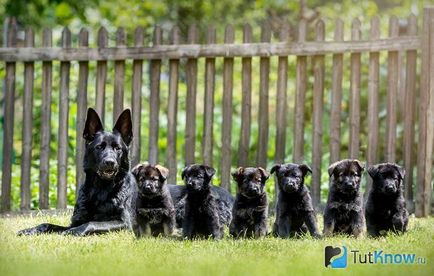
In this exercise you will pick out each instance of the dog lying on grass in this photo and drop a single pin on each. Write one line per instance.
(249, 214)
(155, 213)
(385, 208)
(105, 200)
(295, 214)
(344, 210)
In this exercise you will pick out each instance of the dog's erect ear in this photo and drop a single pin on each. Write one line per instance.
(124, 126)
(304, 169)
(264, 173)
(164, 172)
(92, 126)
(359, 164)
(236, 175)
(210, 172)
(373, 170)
(275, 168)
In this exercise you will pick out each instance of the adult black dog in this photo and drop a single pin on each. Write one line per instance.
(344, 210)
(105, 200)
(249, 214)
(295, 214)
(385, 208)
(225, 202)
(201, 217)
(155, 213)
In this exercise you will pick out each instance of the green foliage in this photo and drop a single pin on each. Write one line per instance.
(121, 254)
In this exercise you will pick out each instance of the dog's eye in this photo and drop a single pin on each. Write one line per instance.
(100, 146)
(116, 147)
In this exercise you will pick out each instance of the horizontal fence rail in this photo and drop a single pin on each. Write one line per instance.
(212, 50)
(318, 91)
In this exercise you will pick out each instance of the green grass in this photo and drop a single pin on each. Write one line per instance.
(121, 254)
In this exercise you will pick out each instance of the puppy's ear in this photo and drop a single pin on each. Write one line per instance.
(305, 169)
(373, 170)
(275, 168)
(359, 164)
(137, 169)
(164, 172)
(264, 173)
(210, 172)
(124, 126)
(92, 126)
(184, 172)
(332, 167)
(400, 170)
(237, 175)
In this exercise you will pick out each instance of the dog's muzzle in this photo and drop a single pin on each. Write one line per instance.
(109, 169)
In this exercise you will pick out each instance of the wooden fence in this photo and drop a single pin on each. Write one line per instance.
(417, 118)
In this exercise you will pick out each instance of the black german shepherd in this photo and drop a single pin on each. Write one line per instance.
(106, 199)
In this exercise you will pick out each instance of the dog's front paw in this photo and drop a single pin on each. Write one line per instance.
(27, 232)
(42, 228)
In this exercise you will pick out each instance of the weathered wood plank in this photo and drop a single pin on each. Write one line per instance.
(228, 78)
(190, 124)
(392, 93)
(209, 101)
(101, 74)
(154, 100)
(196, 51)
(336, 101)
(62, 149)
(26, 157)
(44, 168)
(136, 104)
(426, 117)
(355, 94)
(409, 115)
(172, 109)
(246, 102)
(118, 95)
(318, 106)
(8, 119)
(264, 76)
(281, 101)
(83, 76)
(373, 92)
(301, 85)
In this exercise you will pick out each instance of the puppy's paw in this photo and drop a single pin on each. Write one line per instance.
(317, 236)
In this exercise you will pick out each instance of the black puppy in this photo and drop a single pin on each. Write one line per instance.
(385, 208)
(225, 202)
(105, 200)
(154, 207)
(344, 210)
(201, 217)
(249, 215)
(294, 211)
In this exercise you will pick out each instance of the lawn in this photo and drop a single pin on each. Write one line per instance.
(121, 254)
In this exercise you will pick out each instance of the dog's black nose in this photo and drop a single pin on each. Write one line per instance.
(109, 163)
